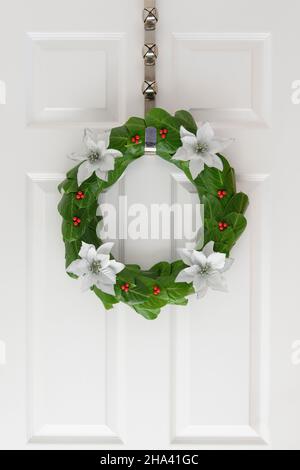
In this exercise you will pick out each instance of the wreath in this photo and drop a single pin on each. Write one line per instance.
(196, 151)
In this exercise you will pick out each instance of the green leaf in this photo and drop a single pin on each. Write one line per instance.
(90, 235)
(182, 302)
(133, 267)
(229, 179)
(212, 207)
(146, 284)
(72, 250)
(161, 269)
(134, 297)
(186, 120)
(128, 275)
(68, 186)
(136, 126)
(72, 174)
(67, 206)
(212, 180)
(148, 313)
(176, 267)
(108, 300)
(69, 209)
(155, 302)
(238, 203)
(120, 166)
(135, 151)
(179, 291)
(237, 223)
(119, 138)
(71, 233)
(60, 187)
(224, 241)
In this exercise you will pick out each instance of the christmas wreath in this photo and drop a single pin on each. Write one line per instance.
(196, 151)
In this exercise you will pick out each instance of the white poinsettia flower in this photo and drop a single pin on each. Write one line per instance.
(205, 269)
(98, 158)
(95, 268)
(201, 149)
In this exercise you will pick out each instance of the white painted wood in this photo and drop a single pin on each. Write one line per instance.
(183, 327)
(2, 353)
(240, 99)
(2, 92)
(44, 340)
(96, 97)
(222, 373)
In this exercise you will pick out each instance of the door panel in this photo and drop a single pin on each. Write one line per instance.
(64, 66)
(218, 372)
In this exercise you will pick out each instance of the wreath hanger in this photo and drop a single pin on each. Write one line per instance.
(150, 54)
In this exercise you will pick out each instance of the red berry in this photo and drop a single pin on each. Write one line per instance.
(76, 221)
(223, 226)
(163, 136)
(135, 139)
(165, 131)
(161, 131)
(127, 285)
(222, 194)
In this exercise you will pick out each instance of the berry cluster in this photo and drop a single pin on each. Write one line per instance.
(156, 290)
(76, 221)
(136, 139)
(223, 226)
(80, 195)
(163, 133)
(222, 193)
(125, 287)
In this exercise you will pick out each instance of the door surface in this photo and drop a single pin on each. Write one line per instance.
(220, 373)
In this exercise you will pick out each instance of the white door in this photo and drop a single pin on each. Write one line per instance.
(221, 373)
